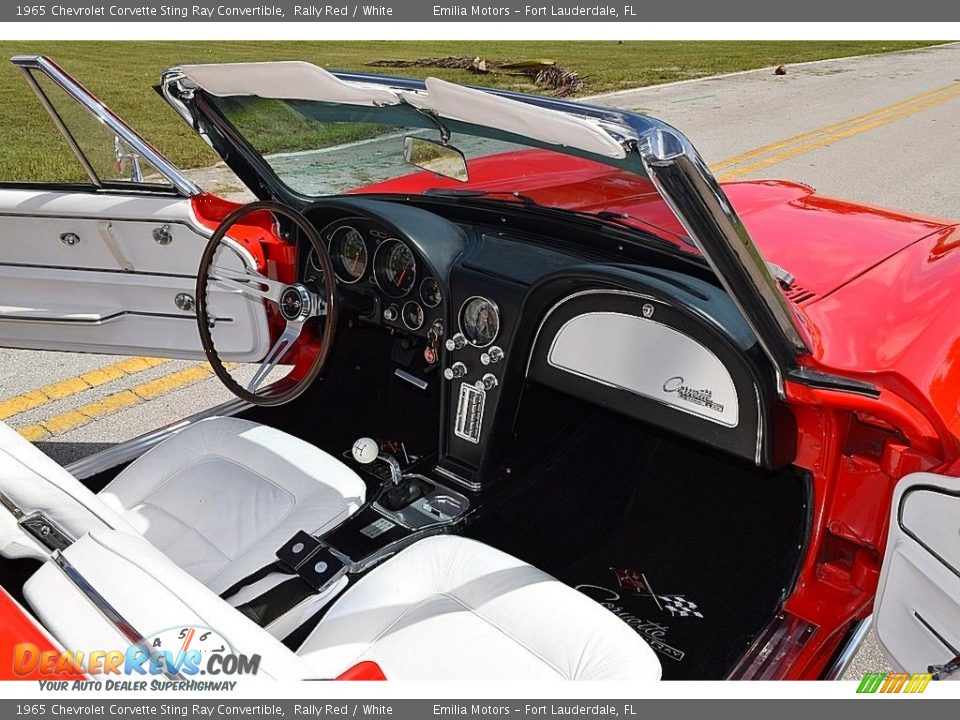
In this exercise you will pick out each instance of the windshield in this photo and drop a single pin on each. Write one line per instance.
(319, 148)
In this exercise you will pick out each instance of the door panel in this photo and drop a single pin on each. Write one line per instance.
(113, 288)
(917, 612)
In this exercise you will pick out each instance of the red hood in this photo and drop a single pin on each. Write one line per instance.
(823, 242)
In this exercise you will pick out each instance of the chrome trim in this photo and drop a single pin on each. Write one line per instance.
(496, 312)
(849, 649)
(417, 511)
(109, 613)
(102, 113)
(132, 449)
(418, 383)
(452, 476)
(680, 175)
(62, 128)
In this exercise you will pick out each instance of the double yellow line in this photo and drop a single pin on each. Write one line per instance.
(730, 169)
(775, 153)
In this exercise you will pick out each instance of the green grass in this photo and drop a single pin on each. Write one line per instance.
(122, 75)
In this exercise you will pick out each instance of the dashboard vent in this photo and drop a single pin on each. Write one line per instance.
(799, 295)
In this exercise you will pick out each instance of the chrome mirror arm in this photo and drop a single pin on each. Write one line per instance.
(696, 198)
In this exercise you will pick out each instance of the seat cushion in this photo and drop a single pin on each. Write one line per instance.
(223, 495)
(152, 595)
(449, 608)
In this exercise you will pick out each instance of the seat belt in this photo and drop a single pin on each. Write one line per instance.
(38, 526)
(314, 567)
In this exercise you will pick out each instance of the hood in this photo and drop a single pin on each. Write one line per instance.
(823, 242)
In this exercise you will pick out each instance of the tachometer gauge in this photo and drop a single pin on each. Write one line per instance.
(479, 321)
(430, 292)
(395, 268)
(412, 315)
(348, 250)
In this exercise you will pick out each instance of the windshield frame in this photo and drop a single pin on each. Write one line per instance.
(654, 150)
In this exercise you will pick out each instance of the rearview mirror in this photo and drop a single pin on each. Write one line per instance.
(443, 160)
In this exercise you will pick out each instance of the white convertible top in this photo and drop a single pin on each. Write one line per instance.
(296, 80)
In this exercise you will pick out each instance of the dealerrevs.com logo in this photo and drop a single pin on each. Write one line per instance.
(173, 659)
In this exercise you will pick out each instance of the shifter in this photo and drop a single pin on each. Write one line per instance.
(366, 450)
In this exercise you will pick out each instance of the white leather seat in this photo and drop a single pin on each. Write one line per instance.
(445, 608)
(219, 498)
(449, 608)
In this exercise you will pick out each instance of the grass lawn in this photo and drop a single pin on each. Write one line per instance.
(122, 74)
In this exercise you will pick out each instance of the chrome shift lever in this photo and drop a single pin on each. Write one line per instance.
(366, 450)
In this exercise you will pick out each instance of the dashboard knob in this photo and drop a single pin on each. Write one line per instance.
(492, 356)
(457, 342)
(487, 382)
(391, 313)
(457, 370)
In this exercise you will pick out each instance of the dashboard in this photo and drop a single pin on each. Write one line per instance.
(493, 310)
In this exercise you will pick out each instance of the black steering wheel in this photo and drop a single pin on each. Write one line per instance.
(302, 320)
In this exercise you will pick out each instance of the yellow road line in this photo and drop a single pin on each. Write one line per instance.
(800, 144)
(85, 414)
(72, 386)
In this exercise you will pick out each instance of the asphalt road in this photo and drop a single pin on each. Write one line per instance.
(879, 129)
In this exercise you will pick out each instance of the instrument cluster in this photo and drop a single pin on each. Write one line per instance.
(371, 261)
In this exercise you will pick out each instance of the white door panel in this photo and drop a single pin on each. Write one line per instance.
(917, 612)
(113, 312)
(114, 290)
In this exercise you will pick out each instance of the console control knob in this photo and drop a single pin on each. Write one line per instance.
(487, 382)
(492, 356)
(457, 342)
(391, 313)
(457, 370)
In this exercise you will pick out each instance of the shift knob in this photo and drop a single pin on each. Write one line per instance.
(365, 450)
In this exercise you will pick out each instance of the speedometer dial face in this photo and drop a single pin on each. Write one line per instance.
(479, 321)
(349, 253)
(395, 268)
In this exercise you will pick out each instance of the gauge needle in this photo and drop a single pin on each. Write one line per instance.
(353, 267)
(403, 274)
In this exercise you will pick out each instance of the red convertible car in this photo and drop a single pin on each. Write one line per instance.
(522, 393)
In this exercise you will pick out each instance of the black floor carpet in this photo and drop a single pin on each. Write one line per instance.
(691, 548)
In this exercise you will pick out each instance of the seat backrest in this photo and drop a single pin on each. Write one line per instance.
(154, 596)
(35, 483)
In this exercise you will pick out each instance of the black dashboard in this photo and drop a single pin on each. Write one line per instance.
(494, 309)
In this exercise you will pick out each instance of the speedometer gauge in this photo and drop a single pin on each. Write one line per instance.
(348, 251)
(395, 268)
(479, 321)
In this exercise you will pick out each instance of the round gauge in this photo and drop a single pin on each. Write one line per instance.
(430, 292)
(412, 315)
(479, 321)
(348, 251)
(395, 268)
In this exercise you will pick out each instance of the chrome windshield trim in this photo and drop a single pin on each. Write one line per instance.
(690, 190)
(102, 113)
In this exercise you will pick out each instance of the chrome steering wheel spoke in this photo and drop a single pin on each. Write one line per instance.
(249, 283)
(286, 340)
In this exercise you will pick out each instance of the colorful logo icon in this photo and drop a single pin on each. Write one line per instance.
(895, 683)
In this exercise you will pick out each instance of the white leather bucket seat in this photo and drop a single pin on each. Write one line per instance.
(446, 608)
(219, 498)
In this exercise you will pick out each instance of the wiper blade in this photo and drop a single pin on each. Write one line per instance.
(471, 193)
(626, 219)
